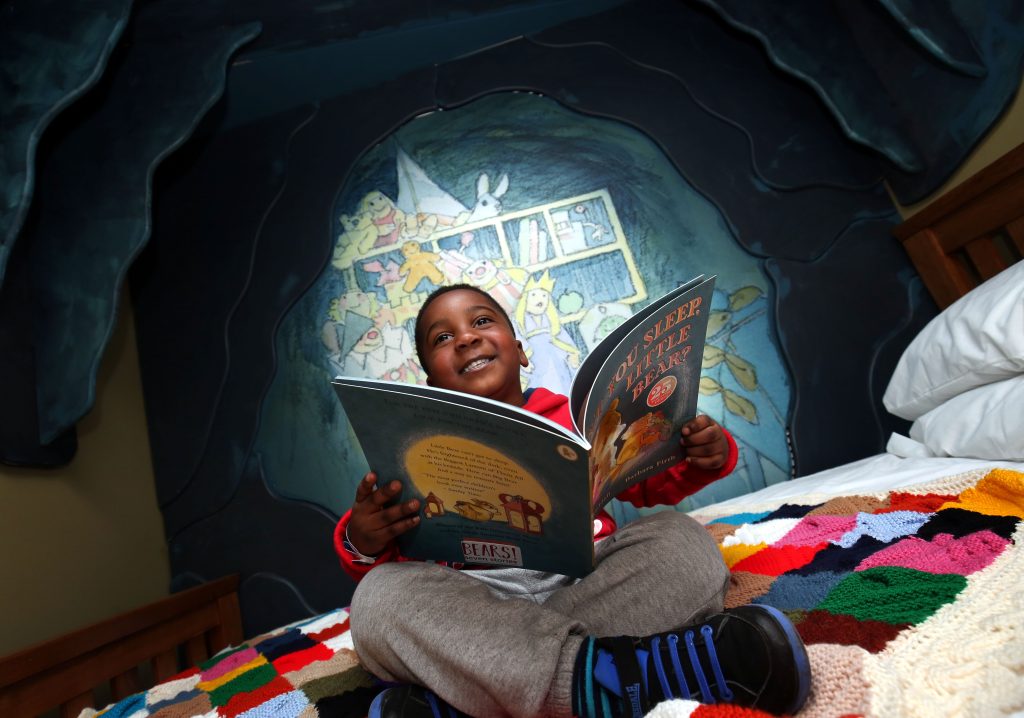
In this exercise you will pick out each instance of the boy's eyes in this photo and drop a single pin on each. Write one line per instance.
(441, 337)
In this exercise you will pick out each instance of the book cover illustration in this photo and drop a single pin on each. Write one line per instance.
(644, 388)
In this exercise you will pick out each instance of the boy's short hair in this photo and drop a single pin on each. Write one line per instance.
(442, 291)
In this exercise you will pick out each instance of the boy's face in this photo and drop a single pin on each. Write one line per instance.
(468, 347)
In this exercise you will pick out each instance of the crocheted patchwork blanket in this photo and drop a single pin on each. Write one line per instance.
(909, 602)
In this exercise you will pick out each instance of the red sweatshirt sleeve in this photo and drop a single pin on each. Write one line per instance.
(677, 482)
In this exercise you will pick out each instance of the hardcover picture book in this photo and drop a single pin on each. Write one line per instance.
(501, 486)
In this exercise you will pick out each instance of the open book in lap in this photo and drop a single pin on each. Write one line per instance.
(502, 486)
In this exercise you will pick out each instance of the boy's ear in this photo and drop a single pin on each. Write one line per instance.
(523, 359)
(430, 382)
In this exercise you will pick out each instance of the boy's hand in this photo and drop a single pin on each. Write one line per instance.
(371, 526)
(704, 443)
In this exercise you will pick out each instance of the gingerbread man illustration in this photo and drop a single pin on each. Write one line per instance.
(419, 265)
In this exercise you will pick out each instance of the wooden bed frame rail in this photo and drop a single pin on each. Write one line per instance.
(169, 635)
(972, 232)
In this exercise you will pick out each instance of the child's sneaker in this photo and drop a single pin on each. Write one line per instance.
(751, 656)
(409, 701)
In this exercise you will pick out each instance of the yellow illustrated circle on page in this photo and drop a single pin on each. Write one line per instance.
(468, 477)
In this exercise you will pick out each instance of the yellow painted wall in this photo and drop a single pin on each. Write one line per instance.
(84, 542)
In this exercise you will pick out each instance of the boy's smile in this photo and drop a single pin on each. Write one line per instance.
(469, 347)
(476, 364)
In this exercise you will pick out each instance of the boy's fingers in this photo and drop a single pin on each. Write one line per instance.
(368, 511)
(365, 487)
(704, 444)
(709, 449)
(387, 492)
(396, 514)
(707, 435)
(376, 518)
(715, 461)
(400, 527)
(697, 424)
(374, 524)
(392, 522)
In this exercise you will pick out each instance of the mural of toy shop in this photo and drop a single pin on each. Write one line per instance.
(299, 201)
(541, 229)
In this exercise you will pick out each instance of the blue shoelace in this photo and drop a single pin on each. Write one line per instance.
(672, 643)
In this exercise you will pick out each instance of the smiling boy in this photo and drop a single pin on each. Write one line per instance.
(484, 364)
(646, 625)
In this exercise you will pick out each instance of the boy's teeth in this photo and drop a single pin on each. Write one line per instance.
(475, 364)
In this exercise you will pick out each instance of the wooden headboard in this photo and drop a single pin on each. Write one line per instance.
(163, 637)
(972, 232)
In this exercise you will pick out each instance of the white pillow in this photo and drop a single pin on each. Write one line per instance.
(977, 340)
(986, 422)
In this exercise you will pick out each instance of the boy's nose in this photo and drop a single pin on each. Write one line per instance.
(467, 338)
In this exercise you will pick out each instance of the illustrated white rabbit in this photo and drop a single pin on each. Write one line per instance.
(488, 204)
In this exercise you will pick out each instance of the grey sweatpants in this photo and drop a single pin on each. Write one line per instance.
(491, 652)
